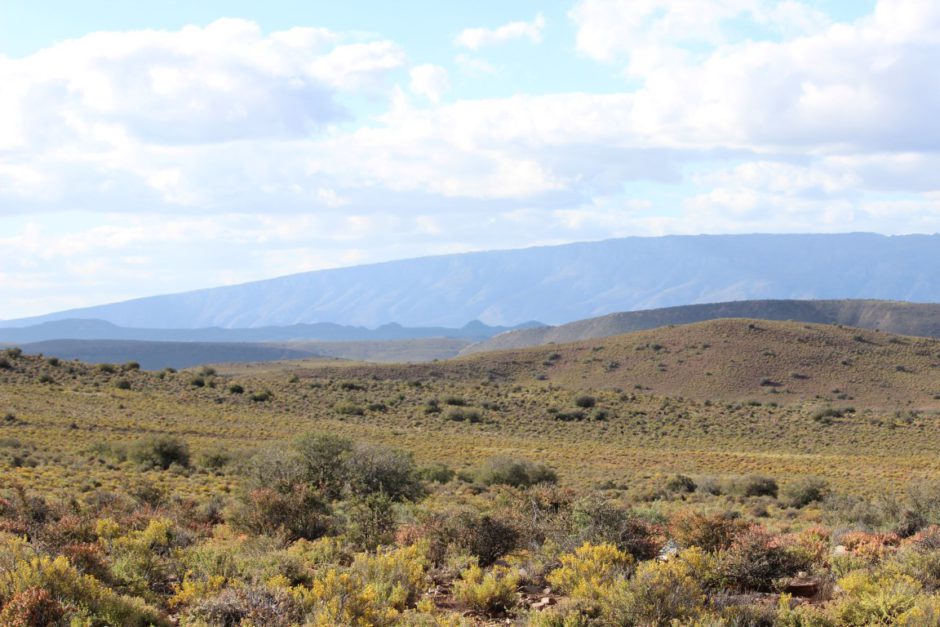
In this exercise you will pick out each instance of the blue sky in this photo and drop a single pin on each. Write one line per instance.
(160, 147)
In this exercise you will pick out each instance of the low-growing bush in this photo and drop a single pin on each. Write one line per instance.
(159, 451)
(591, 571)
(804, 491)
(518, 473)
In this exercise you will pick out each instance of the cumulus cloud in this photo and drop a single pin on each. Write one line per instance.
(192, 143)
(430, 81)
(476, 38)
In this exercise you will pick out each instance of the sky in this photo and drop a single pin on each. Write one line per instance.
(150, 148)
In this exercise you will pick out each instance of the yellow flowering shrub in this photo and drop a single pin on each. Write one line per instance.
(492, 591)
(591, 570)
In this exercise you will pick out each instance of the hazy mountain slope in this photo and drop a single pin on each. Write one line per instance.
(558, 283)
(159, 355)
(78, 329)
(896, 317)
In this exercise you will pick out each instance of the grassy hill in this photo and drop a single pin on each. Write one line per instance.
(891, 316)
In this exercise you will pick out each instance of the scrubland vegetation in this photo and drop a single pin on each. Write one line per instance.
(493, 490)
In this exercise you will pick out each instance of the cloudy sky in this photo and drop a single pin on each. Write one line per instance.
(158, 147)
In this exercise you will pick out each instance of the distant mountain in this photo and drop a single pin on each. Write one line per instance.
(77, 329)
(555, 284)
(159, 355)
(895, 317)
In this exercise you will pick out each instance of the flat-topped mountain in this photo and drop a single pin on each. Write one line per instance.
(921, 319)
(555, 284)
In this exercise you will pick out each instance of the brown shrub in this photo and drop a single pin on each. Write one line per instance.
(708, 532)
(33, 607)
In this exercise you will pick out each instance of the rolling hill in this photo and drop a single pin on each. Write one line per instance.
(920, 319)
(731, 359)
(555, 284)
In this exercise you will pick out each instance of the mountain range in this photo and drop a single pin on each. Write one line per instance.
(554, 284)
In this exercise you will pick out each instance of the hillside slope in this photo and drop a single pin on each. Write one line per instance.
(922, 319)
(556, 284)
(726, 359)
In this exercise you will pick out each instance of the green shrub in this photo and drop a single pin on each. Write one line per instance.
(235, 388)
(122, 384)
(756, 485)
(438, 473)
(299, 513)
(324, 458)
(680, 483)
(262, 396)
(518, 473)
(801, 492)
(373, 468)
(461, 415)
(585, 402)
(159, 451)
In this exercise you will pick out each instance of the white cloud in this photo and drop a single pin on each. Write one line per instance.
(430, 81)
(476, 38)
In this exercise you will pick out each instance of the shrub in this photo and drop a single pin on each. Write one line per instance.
(461, 415)
(661, 593)
(591, 571)
(598, 521)
(455, 401)
(756, 559)
(66, 584)
(323, 458)
(248, 606)
(5, 364)
(883, 599)
(585, 402)
(262, 397)
(374, 591)
(122, 384)
(159, 451)
(801, 492)
(299, 513)
(709, 532)
(373, 468)
(481, 535)
(756, 485)
(438, 473)
(514, 472)
(494, 591)
(370, 520)
(215, 460)
(680, 483)
(33, 607)
(235, 388)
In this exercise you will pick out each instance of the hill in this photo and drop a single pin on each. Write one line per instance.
(725, 359)
(80, 329)
(555, 284)
(894, 317)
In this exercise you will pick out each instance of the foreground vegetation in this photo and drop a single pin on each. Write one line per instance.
(483, 491)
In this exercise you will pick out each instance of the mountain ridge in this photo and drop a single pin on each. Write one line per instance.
(556, 284)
